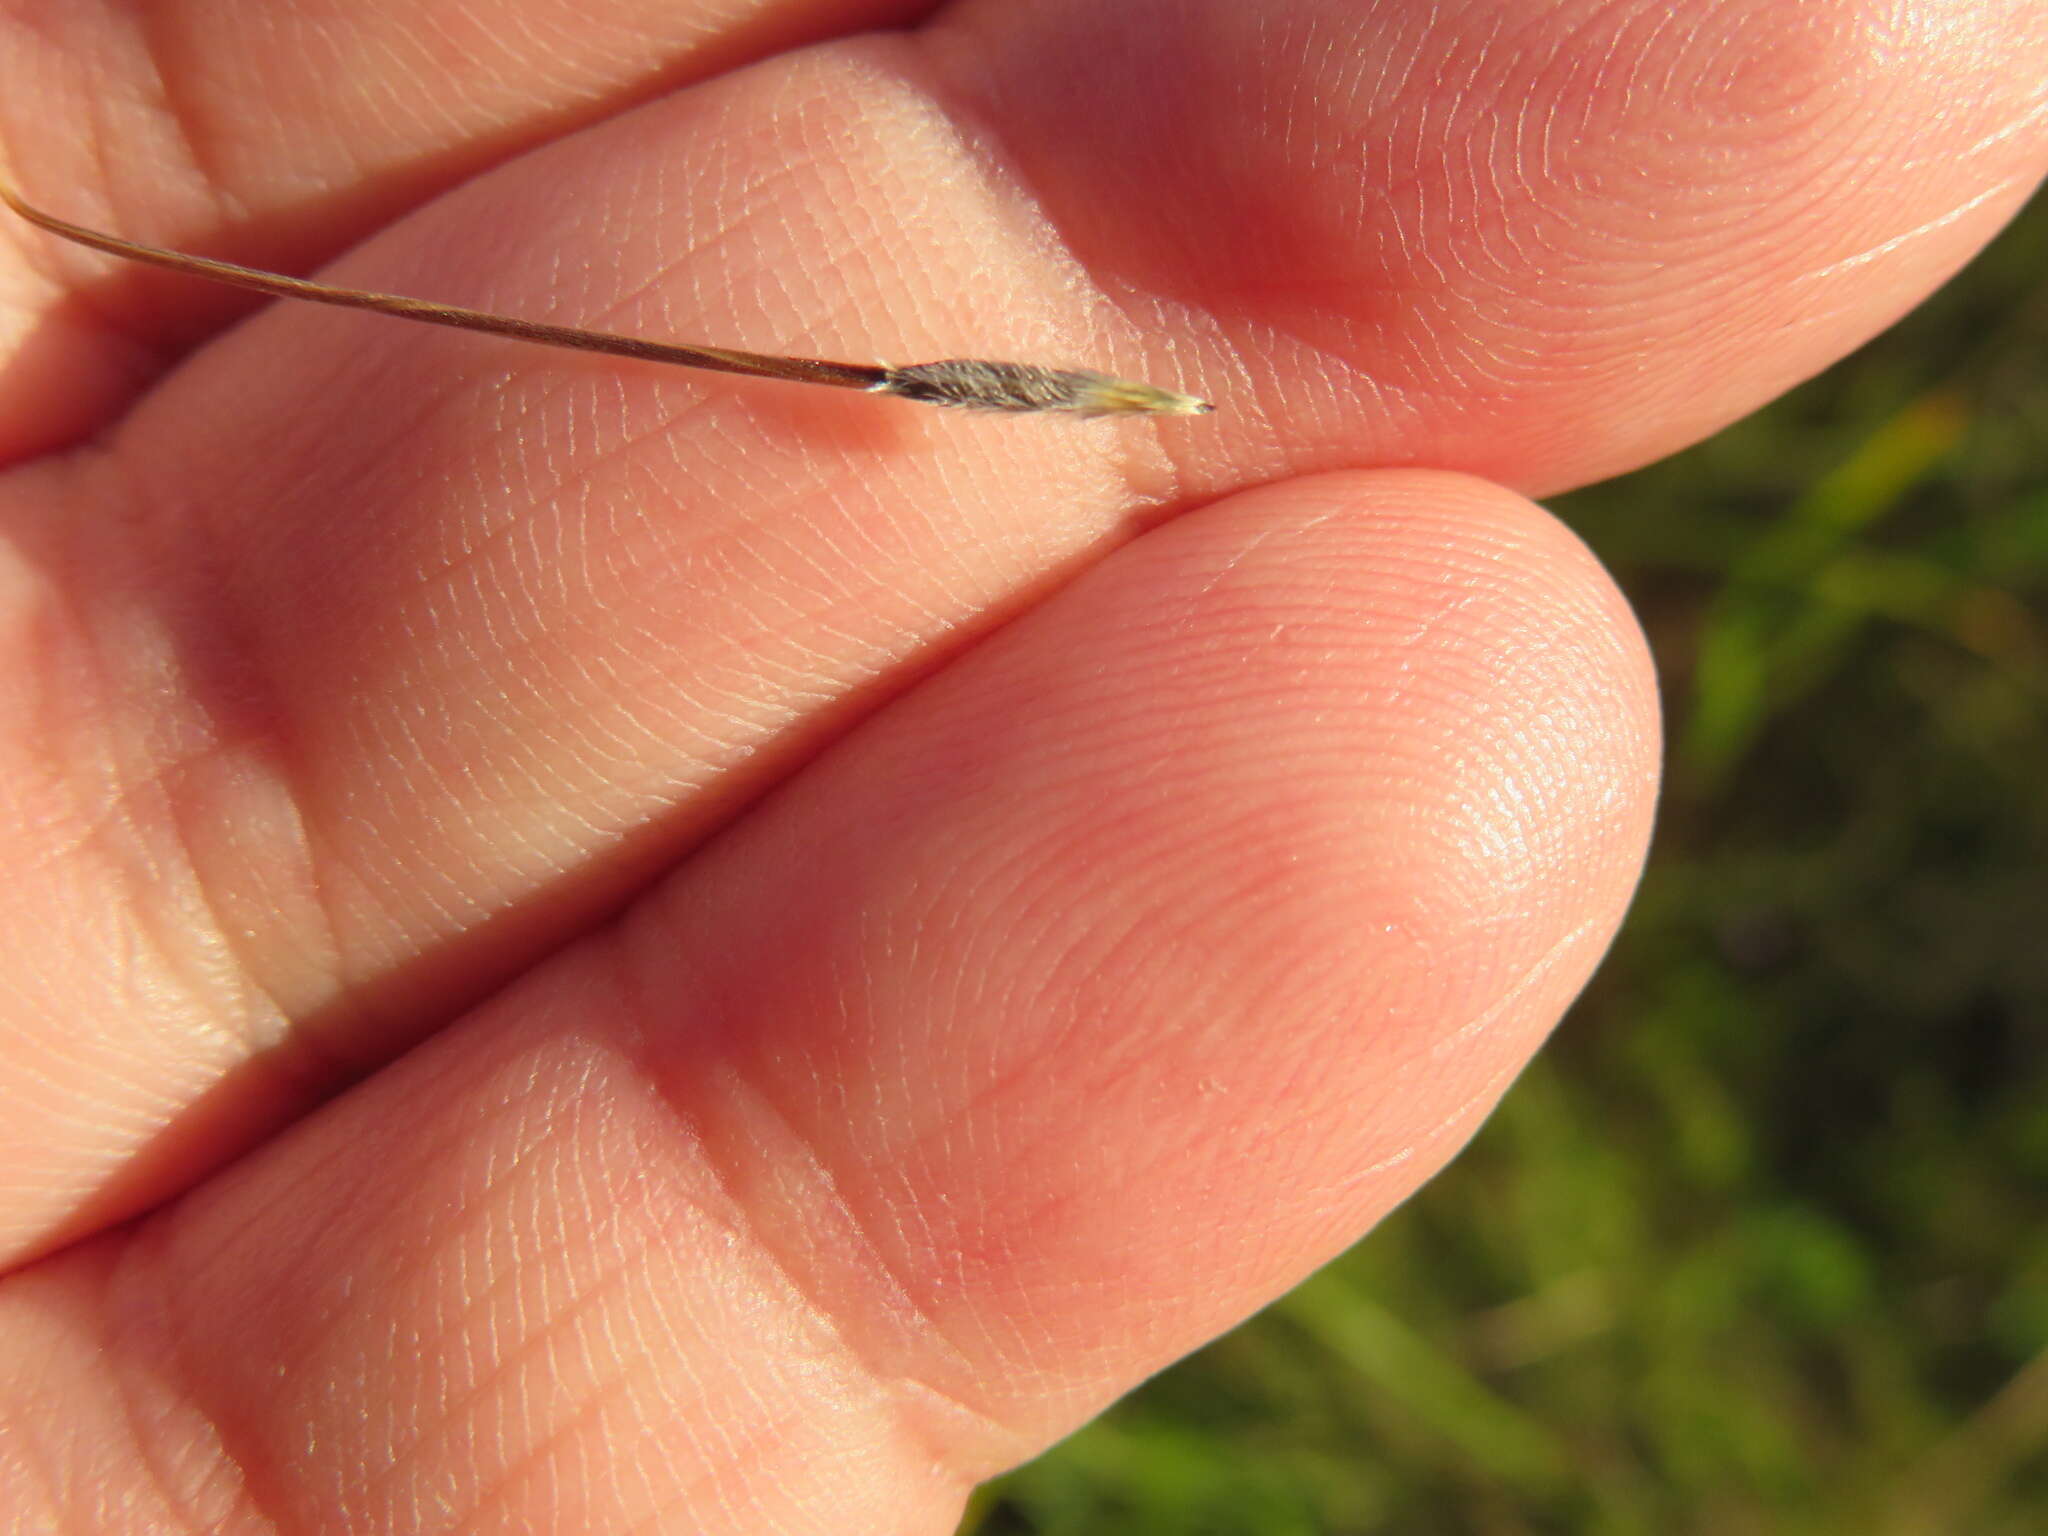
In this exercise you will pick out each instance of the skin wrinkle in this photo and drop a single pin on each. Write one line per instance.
(598, 822)
(2032, 117)
(756, 667)
(225, 1006)
(1233, 566)
(143, 356)
(732, 227)
(373, 370)
(46, 260)
(386, 1486)
(1327, 1196)
(591, 1406)
(474, 555)
(114, 824)
(169, 1351)
(1899, 242)
(910, 1394)
(170, 104)
(228, 1507)
(959, 592)
(477, 1310)
(53, 1494)
(268, 1020)
(884, 1367)
(149, 1445)
(424, 1262)
(1531, 977)
(141, 1303)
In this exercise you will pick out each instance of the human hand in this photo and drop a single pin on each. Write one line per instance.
(854, 1041)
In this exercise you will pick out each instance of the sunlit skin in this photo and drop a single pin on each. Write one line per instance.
(602, 948)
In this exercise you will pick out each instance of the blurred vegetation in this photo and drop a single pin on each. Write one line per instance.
(1760, 1244)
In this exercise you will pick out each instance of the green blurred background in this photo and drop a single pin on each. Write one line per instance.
(1760, 1243)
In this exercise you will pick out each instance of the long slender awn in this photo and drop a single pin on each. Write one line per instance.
(975, 383)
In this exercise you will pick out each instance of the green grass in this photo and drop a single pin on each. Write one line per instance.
(1760, 1244)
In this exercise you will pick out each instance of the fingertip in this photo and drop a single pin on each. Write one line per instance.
(1246, 872)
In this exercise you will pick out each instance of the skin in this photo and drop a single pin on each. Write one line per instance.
(598, 949)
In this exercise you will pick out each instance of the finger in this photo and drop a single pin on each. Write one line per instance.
(1541, 244)
(430, 724)
(277, 135)
(1059, 1017)
(423, 656)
